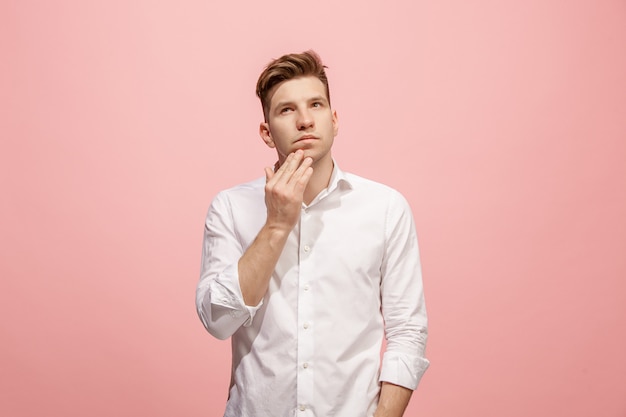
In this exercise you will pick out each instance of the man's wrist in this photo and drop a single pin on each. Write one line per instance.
(393, 400)
(276, 232)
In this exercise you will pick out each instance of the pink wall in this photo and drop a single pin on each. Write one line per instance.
(502, 122)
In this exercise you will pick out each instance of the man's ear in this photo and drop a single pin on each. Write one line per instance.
(266, 135)
(335, 123)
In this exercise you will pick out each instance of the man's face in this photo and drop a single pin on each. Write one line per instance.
(300, 117)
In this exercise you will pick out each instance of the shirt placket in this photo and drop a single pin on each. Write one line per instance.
(306, 323)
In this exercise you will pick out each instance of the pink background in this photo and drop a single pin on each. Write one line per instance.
(502, 122)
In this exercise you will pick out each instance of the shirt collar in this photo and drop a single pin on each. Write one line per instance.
(338, 180)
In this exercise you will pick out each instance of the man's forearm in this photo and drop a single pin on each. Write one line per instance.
(393, 400)
(284, 191)
(258, 262)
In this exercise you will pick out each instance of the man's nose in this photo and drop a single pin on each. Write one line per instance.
(305, 120)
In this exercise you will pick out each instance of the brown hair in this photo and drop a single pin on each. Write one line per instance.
(286, 68)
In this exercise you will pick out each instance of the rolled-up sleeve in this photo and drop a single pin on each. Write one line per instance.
(219, 300)
(402, 298)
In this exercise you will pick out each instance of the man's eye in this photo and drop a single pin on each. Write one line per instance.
(285, 110)
(317, 104)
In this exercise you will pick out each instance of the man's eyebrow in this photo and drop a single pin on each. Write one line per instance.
(291, 102)
(319, 98)
(284, 103)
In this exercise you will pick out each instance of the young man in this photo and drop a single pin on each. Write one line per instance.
(309, 268)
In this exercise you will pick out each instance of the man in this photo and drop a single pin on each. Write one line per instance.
(309, 268)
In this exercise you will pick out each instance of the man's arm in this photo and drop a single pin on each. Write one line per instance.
(223, 300)
(403, 309)
(393, 400)
(284, 192)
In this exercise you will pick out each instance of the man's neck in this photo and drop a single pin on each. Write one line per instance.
(322, 171)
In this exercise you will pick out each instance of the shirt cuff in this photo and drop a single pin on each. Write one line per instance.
(226, 292)
(403, 369)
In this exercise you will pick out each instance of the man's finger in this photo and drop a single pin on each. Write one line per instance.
(292, 163)
(289, 166)
(277, 174)
(304, 180)
(297, 175)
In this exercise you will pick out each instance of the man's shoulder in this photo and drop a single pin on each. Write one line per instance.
(255, 185)
(244, 192)
(376, 195)
(360, 183)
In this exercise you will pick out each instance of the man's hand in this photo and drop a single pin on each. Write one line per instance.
(284, 190)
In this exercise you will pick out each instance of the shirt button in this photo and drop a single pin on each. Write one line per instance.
(306, 325)
(305, 365)
(306, 287)
(307, 248)
(302, 407)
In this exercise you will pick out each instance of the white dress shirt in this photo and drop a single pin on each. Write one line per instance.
(348, 276)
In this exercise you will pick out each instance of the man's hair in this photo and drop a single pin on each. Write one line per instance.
(286, 68)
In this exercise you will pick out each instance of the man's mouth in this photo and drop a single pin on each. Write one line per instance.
(306, 137)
